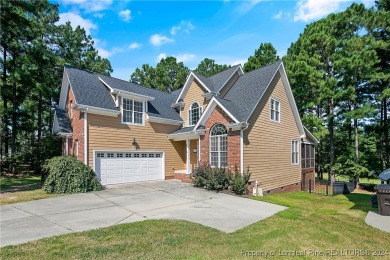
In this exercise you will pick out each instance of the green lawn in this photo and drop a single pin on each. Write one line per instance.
(312, 222)
(20, 189)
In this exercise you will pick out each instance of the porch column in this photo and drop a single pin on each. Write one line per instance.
(188, 156)
(66, 146)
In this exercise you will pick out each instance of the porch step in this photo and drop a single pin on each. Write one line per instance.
(183, 177)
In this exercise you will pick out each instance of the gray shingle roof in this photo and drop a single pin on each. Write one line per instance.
(88, 89)
(248, 89)
(176, 92)
(187, 129)
(159, 107)
(215, 82)
(183, 130)
(240, 100)
(63, 121)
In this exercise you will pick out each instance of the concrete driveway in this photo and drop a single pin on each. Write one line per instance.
(118, 204)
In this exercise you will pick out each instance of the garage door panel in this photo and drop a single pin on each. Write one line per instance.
(119, 167)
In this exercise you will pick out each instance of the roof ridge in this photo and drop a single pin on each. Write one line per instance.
(138, 85)
(98, 74)
(224, 70)
(265, 66)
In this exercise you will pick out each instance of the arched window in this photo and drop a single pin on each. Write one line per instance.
(218, 146)
(194, 113)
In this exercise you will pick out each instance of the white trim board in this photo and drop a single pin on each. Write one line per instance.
(210, 108)
(187, 85)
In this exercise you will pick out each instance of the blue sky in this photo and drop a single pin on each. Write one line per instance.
(132, 33)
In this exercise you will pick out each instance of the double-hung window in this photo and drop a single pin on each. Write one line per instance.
(132, 111)
(194, 113)
(218, 146)
(275, 110)
(294, 152)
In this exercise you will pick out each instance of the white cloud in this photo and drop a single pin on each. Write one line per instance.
(158, 39)
(125, 15)
(100, 46)
(185, 26)
(308, 10)
(99, 15)
(236, 62)
(108, 53)
(89, 5)
(135, 45)
(76, 20)
(185, 57)
(278, 15)
(246, 6)
(161, 56)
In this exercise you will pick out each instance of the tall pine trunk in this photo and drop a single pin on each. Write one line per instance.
(331, 138)
(386, 134)
(13, 117)
(5, 134)
(356, 133)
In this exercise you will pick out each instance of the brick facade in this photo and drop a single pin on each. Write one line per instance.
(218, 116)
(76, 118)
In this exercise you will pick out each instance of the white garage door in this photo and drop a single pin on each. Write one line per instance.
(123, 167)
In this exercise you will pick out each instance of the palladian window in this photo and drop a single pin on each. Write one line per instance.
(218, 146)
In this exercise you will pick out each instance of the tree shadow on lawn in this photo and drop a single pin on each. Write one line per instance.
(361, 201)
(15, 184)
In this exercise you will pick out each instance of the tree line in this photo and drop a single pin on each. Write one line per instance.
(34, 50)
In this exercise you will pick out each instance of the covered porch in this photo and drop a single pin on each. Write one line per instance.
(190, 139)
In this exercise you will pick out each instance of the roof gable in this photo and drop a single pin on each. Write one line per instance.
(88, 90)
(210, 84)
(246, 93)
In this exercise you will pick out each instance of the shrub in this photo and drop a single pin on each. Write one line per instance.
(210, 178)
(66, 174)
(219, 179)
(239, 182)
(201, 175)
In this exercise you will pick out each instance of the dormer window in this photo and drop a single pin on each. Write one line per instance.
(194, 113)
(132, 111)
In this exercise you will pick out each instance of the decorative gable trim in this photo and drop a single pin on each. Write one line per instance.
(210, 108)
(291, 99)
(310, 136)
(187, 85)
(64, 90)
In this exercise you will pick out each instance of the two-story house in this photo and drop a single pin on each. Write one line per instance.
(130, 133)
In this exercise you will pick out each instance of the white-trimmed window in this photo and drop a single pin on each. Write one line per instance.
(275, 110)
(218, 146)
(132, 111)
(194, 113)
(294, 152)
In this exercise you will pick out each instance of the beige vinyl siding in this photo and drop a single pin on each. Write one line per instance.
(194, 93)
(106, 132)
(267, 145)
(229, 84)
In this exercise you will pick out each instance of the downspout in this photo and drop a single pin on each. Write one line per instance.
(242, 149)
(85, 137)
